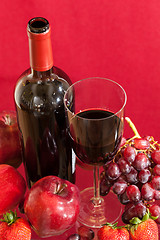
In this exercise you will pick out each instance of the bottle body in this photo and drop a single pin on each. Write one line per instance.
(42, 123)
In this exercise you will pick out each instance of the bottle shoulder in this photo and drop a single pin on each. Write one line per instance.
(39, 94)
(59, 72)
(56, 73)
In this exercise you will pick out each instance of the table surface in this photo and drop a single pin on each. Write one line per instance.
(80, 174)
(119, 40)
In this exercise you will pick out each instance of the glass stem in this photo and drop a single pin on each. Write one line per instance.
(97, 198)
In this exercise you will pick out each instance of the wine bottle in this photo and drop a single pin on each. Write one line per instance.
(40, 110)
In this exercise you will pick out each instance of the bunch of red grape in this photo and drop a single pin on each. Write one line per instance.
(134, 175)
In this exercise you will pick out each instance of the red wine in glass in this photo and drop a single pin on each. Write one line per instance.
(99, 140)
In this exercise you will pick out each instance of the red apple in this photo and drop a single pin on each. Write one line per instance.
(10, 148)
(52, 206)
(12, 188)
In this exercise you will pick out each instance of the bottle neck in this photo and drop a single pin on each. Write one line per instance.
(41, 74)
(40, 52)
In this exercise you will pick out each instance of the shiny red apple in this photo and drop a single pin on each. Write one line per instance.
(52, 206)
(12, 188)
(10, 148)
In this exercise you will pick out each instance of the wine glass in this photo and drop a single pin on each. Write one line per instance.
(95, 116)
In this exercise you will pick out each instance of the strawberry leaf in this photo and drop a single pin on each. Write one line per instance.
(152, 217)
(135, 221)
(145, 217)
(113, 225)
(133, 228)
(9, 217)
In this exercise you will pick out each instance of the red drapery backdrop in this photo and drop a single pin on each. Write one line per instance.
(115, 39)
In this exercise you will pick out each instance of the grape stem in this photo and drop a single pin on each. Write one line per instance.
(136, 134)
(132, 126)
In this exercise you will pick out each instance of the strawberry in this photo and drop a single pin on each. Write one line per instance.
(13, 227)
(145, 229)
(112, 232)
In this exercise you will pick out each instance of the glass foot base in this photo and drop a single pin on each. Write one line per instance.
(91, 215)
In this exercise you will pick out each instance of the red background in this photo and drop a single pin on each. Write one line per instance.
(116, 39)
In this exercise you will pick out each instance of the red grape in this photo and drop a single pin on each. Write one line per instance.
(74, 237)
(104, 186)
(85, 232)
(156, 182)
(132, 176)
(129, 213)
(123, 198)
(133, 193)
(133, 210)
(148, 138)
(157, 195)
(140, 143)
(113, 171)
(129, 154)
(140, 209)
(156, 156)
(147, 192)
(155, 212)
(124, 166)
(122, 178)
(140, 162)
(123, 141)
(119, 187)
(156, 170)
(144, 176)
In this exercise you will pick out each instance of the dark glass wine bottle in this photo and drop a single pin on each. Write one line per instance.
(40, 110)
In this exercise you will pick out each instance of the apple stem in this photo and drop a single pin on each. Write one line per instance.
(7, 119)
(60, 188)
